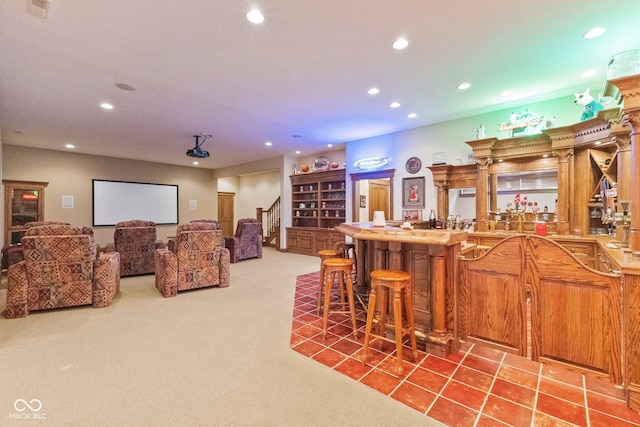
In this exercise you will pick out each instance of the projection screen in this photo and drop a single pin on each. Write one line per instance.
(115, 201)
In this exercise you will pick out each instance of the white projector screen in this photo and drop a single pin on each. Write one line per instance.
(115, 201)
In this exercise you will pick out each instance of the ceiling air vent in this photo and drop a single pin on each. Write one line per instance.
(39, 8)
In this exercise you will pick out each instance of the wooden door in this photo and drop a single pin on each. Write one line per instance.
(379, 197)
(23, 202)
(226, 213)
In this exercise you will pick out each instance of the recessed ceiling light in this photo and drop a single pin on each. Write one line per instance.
(329, 145)
(594, 32)
(125, 86)
(70, 146)
(598, 142)
(106, 106)
(507, 92)
(588, 73)
(463, 86)
(412, 115)
(545, 156)
(268, 144)
(255, 16)
(394, 105)
(195, 163)
(373, 91)
(500, 160)
(297, 151)
(401, 43)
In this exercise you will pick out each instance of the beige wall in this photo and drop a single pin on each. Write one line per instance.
(70, 174)
(257, 190)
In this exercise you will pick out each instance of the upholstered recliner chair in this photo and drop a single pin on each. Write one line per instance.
(171, 244)
(136, 241)
(12, 254)
(61, 269)
(247, 242)
(200, 260)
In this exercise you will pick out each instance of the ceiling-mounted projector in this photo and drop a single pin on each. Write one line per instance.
(197, 151)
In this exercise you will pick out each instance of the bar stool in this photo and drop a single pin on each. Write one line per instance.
(326, 254)
(341, 267)
(348, 250)
(382, 282)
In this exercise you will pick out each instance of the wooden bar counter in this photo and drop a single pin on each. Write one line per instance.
(431, 257)
(606, 340)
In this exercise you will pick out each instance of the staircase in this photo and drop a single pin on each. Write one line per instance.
(270, 219)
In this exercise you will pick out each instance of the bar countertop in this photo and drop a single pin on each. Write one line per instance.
(367, 231)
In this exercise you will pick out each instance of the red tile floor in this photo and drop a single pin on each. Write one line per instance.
(477, 387)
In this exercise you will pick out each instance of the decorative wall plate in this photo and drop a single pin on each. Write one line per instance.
(413, 165)
(321, 164)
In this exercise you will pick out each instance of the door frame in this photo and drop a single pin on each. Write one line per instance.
(9, 186)
(355, 177)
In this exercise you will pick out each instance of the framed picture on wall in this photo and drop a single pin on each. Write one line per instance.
(363, 201)
(411, 215)
(413, 193)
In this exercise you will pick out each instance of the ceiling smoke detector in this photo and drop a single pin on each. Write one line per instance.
(197, 151)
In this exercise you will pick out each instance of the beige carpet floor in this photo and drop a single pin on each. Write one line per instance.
(210, 357)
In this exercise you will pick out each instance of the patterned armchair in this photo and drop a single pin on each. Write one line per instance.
(172, 242)
(135, 241)
(61, 269)
(200, 260)
(12, 254)
(247, 242)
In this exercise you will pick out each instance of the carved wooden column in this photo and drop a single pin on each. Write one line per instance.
(441, 181)
(482, 189)
(493, 202)
(564, 188)
(440, 339)
(482, 153)
(630, 92)
(623, 142)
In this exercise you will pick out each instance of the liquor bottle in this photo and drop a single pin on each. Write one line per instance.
(432, 220)
(545, 214)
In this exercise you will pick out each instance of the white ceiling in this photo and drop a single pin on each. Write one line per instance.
(200, 66)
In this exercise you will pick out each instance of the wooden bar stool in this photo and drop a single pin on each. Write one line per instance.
(348, 250)
(398, 282)
(341, 267)
(326, 254)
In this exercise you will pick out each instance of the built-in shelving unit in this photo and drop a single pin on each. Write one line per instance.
(318, 204)
(603, 167)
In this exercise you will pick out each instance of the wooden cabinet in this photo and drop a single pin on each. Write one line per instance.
(308, 241)
(300, 241)
(318, 203)
(604, 263)
(584, 251)
(23, 202)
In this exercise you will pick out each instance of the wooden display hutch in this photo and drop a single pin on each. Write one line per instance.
(586, 155)
(318, 204)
